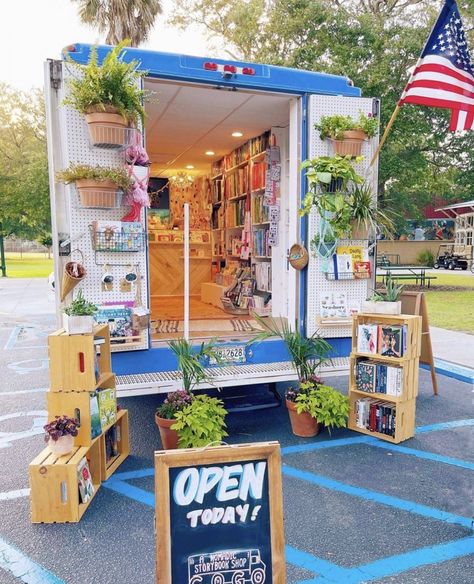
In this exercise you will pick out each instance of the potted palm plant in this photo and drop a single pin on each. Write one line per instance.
(109, 95)
(385, 301)
(191, 363)
(97, 185)
(78, 316)
(365, 216)
(303, 402)
(347, 134)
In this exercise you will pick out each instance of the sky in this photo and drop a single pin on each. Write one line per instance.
(32, 31)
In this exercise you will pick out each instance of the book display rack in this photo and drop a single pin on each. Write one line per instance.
(82, 387)
(383, 383)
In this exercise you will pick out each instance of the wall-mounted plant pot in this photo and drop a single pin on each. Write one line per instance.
(334, 186)
(372, 307)
(107, 130)
(359, 230)
(98, 195)
(78, 325)
(140, 172)
(350, 144)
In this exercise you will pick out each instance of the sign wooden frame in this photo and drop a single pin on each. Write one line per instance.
(168, 459)
(415, 303)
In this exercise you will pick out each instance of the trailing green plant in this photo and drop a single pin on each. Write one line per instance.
(306, 353)
(392, 292)
(335, 126)
(200, 423)
(322, 169)
(75, 172)
(191, 361)
(426, 258)
(365, 212)
(80, 306)
(324, 403)
(114, 85)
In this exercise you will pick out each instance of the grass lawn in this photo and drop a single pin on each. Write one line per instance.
(31, 265)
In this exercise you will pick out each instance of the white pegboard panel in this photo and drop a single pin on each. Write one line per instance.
(356, 290)
(78, 149)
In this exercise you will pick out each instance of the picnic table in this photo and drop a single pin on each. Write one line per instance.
(417, 273)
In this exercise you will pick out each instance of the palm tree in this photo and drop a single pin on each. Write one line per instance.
(120, 19)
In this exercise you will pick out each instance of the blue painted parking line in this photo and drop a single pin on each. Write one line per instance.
(445, 426)
(313, 564)
(376, 497)
(16, 563)
(453, 370)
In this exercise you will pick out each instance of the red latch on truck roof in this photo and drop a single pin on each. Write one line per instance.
(228, 70)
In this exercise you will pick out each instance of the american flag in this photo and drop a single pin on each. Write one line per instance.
(444, 74)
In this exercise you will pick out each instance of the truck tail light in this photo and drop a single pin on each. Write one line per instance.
(248, 71)
(230, 69)
(210, 66)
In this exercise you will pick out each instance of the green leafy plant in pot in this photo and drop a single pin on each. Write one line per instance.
(307, 354)
(366, 217)
(97, 185)
(78, 317)
(190, 432)
(109, 94)
(347, 134)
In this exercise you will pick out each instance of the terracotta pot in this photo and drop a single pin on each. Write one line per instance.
(106, 129)
(93, 193)
(304, 424)
(351, 143)
(169, 437)
(62, 446)
(359, 230)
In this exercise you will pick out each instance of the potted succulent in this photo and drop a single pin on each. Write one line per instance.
(60, 434)
(78, 316)
(384, 301)
(191, 363)
(109, 95)
(315, 404)
(97, 185)
(347, 134)
(306, 354)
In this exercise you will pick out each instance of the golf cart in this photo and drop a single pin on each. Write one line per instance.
(451, 257)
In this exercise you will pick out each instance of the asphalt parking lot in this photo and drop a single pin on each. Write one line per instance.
(356, 509)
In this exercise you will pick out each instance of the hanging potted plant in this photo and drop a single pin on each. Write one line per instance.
(367, 219)
(191, 363)
(109, 95)
(384, 301)
(330, 174)
(60, 434)
(307, 354)
(97, 185)
(78, 316)
(346, 134)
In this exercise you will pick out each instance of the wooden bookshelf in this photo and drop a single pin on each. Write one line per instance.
(404, 404)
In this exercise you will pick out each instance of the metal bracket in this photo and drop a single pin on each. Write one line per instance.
(55, 73)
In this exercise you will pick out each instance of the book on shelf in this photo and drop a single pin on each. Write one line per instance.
(375, 416)
(260, 211)
(111, 439)
(263, 276)
(390, 340)
(107, 400)
(235, 213)
(362, 270)
(237, 183)
(258, 175)
(260, 243)
(367, 336)
(96, 426)
(373, 377)
(84, 481)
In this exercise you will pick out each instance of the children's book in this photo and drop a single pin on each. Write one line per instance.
(96, 427)
(367, 338)
(84, 481)
(361, 270)
(391, 340)
(107, 399)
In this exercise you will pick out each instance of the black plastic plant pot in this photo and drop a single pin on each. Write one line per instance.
(335, 185)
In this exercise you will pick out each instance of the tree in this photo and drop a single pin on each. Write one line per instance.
(120, 19)
(24, 184)
(373, 42)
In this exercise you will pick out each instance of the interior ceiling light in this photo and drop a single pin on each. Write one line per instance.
(190, 167)
(210, 152)
(237, 134)
(181, 180)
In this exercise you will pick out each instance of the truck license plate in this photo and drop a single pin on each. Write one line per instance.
(234, 354)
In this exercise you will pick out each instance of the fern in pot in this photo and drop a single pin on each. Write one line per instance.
(78, 317)
(186, 420)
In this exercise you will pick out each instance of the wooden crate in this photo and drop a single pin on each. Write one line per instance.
(405, 419)
(123, 445)
(53, 482)
(72, 360)
(75, 404)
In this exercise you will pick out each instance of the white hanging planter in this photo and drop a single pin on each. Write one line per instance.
(78, 325)
(382, 307)
(140, 172)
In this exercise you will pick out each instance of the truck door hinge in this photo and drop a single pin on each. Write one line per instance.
(55, 73)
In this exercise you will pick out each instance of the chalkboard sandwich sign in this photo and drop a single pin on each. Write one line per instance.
(219, 515)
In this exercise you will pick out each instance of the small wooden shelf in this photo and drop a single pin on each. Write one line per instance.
(108, 467)
(262, 257)
(237, 198)
(376, 395)
(377, 357)
(261, 223)
(235, 227)
(237, 166)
